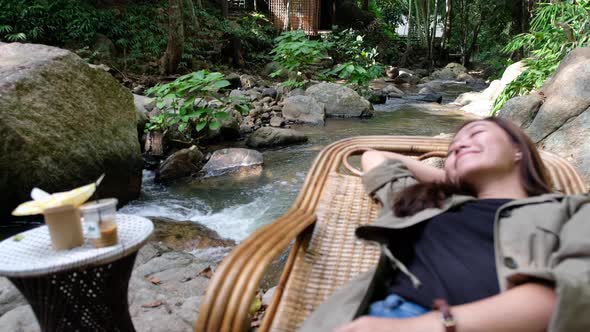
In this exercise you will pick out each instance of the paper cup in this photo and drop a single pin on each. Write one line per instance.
(64, 226)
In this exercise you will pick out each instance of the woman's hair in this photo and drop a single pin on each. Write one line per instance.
(535, 179)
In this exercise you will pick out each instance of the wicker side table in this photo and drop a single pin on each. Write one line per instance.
(82, 289)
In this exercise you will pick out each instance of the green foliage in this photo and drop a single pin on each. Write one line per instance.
(357, 63)
(294, 52)
(52, 22)
(556, 29)
(254, 31)
(184, 104)
(133, 29)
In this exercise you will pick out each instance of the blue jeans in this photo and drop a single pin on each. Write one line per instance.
(394, 306)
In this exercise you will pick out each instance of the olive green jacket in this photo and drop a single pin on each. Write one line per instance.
(544, 237)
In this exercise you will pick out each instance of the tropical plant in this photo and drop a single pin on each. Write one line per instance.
(294, 52)
(358, 63)
(186, 103)
(556, 29)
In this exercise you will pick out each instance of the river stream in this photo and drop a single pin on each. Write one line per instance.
(235, 207)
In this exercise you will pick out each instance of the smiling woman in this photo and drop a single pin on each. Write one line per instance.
(483, 239)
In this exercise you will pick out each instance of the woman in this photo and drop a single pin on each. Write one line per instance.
(484, 235)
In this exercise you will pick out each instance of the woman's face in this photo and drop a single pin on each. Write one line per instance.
(480, 148)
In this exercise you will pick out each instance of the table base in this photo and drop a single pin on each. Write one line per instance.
(90, 299)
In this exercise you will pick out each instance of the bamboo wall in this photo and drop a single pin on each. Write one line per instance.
(303, 15)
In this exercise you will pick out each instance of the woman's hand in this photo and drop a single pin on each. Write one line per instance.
(424, 323)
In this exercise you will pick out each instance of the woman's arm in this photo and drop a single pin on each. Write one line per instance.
(521, 309)
(422, 171)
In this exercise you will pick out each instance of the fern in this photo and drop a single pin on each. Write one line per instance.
(556, 30)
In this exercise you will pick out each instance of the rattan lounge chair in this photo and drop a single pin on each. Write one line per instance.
(325, 254)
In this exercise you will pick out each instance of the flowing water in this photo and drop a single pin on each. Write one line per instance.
(235, 207)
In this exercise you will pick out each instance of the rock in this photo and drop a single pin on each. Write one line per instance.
(187, 235)
(481, 103)
(20, 319)
(304, 109)
(230, 127)
(296, 92)
(267, 297)
(236, 96)
(464, 77)
(427, 97)
(180, 164)
(392, 72)
(567, 94)
(248, 82)
(521, 110)
(406, 76)
(10, 297)
(234, 80)
(253, 95)
(269, 92)
(141, 104)
(232, 160)
(340, 101)
(246, 128)
(277, 121)
(571, 142)
(63, 124)
(180, 288)
(272, 67)
(102, 67)
(104, 48)
(426, 91)
(269, 136)
(421, 72)
(377, 97)
(450, 72)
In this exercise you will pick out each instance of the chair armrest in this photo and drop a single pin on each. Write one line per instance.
(234, 283)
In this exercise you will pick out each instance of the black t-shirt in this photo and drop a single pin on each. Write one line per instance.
(453, 256)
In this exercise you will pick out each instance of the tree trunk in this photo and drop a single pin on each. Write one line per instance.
(404, 57)
(448, 24)
(474, 37)
(432, 38)
(224, 8)
(194, 24)
(171, 59)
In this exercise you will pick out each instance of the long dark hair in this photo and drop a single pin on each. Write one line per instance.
(535, 179)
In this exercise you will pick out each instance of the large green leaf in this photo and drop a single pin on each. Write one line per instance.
(213, 125)
(201, 125)
(221, 115)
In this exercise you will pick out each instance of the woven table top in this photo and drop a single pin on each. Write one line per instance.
(31, 254)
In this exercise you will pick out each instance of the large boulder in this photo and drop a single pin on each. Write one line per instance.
(571, 142)
(180, 164)
(269, 136)
(63, 124)
(304, 109)
(232, 160)
(567, 94)
(406, 76)
(559, 119)
(521, 110)
(481, 103)
(340, 101)
(452, 71)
